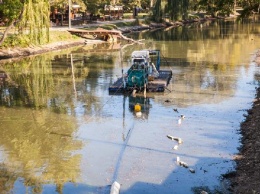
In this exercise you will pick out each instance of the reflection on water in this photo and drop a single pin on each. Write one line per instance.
(61, 131)
(38, 146)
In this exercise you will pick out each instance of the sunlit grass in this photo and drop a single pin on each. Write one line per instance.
(23, 40)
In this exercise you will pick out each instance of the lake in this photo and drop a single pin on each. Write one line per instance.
(62, 132)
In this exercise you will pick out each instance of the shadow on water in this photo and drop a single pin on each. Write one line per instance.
(16, 181)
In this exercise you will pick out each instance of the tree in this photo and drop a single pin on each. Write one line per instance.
(174, 9)
(216, 7)
(250, 7)
(12, 11)
(96, 6)
(36, 20)
(31, 17)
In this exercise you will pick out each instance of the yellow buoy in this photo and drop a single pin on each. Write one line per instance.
(137, 108)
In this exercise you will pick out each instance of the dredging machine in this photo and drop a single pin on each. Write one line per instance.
(143, 75)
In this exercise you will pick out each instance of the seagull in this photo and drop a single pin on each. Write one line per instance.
(175, 110)
(182, 116)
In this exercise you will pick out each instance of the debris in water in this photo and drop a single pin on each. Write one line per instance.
(115, 188)
(181, 163)
(179, 121)
(179, 140)
(191, 170)
(178, 159)
(175, 147)
(175, 110)
(184, 164)
(123, 137)
(138, 114)
(134, 93)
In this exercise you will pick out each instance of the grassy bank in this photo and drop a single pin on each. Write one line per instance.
(23, 41)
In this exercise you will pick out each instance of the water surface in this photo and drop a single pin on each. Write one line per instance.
(61, 131)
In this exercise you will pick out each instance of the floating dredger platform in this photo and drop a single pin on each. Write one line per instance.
(144, 74)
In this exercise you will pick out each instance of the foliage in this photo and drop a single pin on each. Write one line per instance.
(157, 11)
(16, 40)
(10, 10)
(172, 9)
(250, 7)
(36, 21)
(181, 9)
(222, 7)
(62, 5)
(130, 4)
(96, 6)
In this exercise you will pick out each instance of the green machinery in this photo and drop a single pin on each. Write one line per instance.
(145, 67)
(144, 74)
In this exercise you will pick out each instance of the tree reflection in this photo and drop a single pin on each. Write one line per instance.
(40, 146)
(36, 103)
(46, 81)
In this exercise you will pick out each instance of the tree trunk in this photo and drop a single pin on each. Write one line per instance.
(6, 31)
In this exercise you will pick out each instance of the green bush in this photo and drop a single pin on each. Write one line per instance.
(16, 40)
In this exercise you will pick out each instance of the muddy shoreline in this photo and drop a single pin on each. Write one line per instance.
(34, 50)
(246, 177)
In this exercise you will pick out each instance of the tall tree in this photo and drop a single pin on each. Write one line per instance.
(36, 20)
(96, 6)
(216, 7)
(174, 9)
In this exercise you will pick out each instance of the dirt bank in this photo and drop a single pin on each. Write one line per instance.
(246, 178)
(33, 50)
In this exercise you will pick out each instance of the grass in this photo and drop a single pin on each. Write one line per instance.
(117, 25)
(140, 15)
(56, 36)
(23, 41)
